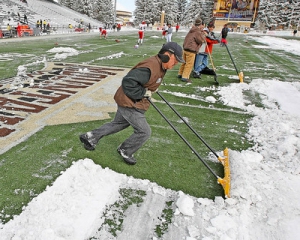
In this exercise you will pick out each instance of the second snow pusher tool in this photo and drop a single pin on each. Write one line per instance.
(225, 182)
(213, 70)
(239, 73)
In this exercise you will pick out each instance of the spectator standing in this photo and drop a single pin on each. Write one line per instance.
(25, 19)
(242, 5)
(44, 24)
(9, 30)
(132, 101)
(234, 4)
(89, 27)
(169, 33)
(37, 30)
(192, 42)
(70, 27)
(19, 32)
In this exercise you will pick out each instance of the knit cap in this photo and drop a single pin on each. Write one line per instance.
(198, 22)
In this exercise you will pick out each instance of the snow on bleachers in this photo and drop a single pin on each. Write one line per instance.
(56, 15)
(8, 13)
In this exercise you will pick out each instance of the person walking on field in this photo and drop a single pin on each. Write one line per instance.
(164, 31)
(224, 33)
(132, 102)
(118, 27)
(103, 33)
(141, 36)
(177, 27)
(169, 33)
(192, 42)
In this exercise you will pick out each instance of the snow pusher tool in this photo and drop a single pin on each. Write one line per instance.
(239, 73)
(225, 182)
(213, 71)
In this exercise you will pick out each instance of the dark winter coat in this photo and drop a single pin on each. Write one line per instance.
(194, 40)
(147, 74)
(224, 32)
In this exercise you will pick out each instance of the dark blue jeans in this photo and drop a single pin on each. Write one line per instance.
(201, 62)
(124, 118)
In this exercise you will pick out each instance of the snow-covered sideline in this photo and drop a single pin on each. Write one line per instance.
(264, 203)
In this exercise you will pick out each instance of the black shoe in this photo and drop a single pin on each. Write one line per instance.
(179, 76)
(196, 75)
(128, 159)
(87, 144)
(186, 80)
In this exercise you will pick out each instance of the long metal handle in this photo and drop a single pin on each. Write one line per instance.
(190, 127)
(240, 74)
(210, 57)
(182, 137)
(237, 71)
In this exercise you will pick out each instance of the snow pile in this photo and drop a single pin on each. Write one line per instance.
(279, 43)
(63, 52)
(70, 208)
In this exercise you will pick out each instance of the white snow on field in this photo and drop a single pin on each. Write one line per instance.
(277, 43)
(264, 203)
(63, 52)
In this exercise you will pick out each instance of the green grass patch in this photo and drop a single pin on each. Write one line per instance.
(166, 219)
(114, 214)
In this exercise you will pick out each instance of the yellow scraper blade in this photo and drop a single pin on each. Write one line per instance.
(241, 77)
(225, 182)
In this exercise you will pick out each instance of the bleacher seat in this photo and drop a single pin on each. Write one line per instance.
(59, 17)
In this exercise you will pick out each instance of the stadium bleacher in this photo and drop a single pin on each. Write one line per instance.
(59, 17)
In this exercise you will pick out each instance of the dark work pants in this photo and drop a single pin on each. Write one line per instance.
(124, 118)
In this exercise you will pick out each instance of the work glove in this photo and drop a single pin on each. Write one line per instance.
(148, 94)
